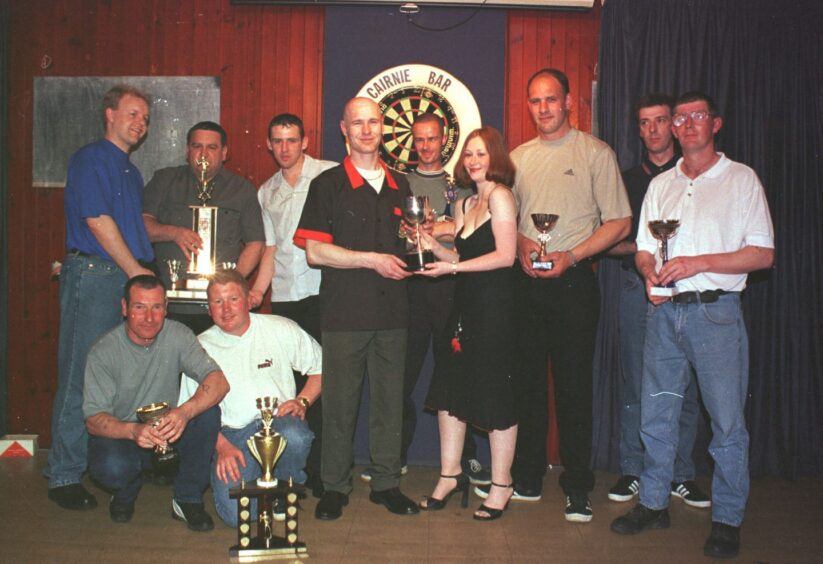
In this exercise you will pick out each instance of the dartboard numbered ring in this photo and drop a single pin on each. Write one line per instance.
(405, 92)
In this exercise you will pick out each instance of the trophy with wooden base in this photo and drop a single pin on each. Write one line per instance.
(256, 539)
(203, 260)
(663, 230)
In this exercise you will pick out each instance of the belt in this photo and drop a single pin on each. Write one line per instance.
(706, 297)
(79, 253)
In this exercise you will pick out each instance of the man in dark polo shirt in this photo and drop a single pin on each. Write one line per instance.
(349, 228)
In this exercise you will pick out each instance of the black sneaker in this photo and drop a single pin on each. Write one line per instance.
(625, 489)
(578, 508)
(73, 496)
(478, 475)
(121, 511)
(520, 493)
(691, 494)
(193, 515)
(639, 519)
(724, 542)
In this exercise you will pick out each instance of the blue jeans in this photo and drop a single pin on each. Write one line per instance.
(712, 339)
(290, 465)
(632, 330)
(90, 293)
(116, 463)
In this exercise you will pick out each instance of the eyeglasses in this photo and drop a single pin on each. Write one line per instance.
(697, 117)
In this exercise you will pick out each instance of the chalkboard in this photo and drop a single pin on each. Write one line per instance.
(67, 115)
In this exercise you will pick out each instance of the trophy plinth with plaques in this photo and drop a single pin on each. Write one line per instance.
(663, 230)
(543, 222)
(203, 261)
(416, 212)
(256, 539)
(164, 457)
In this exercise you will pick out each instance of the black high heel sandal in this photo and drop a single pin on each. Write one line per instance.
(491, 511)
(434, 504)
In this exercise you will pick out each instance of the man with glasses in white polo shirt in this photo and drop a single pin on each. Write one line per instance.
(725, 232)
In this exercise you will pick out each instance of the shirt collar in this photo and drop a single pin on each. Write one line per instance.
(357, 181)
(653, 169)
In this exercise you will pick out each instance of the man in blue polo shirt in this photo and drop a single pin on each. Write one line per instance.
(107, 244)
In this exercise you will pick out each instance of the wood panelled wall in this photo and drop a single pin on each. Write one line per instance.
(269, 60)
(564, 40)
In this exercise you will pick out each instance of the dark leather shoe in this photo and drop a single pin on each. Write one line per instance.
(73, 496)
(193, 515)
(121, 511)
(330, 506)
(639, 519)
(724, 542)
(394, 501)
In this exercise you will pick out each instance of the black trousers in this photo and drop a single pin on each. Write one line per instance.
(559, 324)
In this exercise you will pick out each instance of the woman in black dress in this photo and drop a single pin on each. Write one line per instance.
(475, 384)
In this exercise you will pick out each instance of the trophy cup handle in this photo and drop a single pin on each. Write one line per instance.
(253, 449)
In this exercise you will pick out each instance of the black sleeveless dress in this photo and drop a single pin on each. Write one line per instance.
(475, 385)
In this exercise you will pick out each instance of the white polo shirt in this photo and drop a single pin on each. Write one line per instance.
(721, 211)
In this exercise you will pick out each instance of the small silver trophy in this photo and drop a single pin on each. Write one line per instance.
(544, 222)
(174, 272)
(663, 230)
(416, 211)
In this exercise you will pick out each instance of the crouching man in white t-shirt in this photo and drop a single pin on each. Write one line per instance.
(258, 354)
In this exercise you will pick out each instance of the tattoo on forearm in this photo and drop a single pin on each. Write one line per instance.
(205, 388)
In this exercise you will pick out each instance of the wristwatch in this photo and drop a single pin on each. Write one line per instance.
(303, 401)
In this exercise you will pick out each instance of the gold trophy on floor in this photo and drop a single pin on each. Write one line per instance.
(266, 446)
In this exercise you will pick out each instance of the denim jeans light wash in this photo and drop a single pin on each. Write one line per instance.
(712, 339)
(90, 293)
(632, 331)
(290, 465)
(116, 463)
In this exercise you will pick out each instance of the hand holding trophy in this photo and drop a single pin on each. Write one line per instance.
(663, 230)
(163, 456)
(544, 222)
(416, 212)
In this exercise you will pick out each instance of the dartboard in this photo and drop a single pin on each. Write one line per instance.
(400, 109)
(403, 93)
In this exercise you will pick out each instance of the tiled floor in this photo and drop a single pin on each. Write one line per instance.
(782, 525)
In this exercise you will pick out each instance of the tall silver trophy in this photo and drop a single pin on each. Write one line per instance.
(663, 230)
(416, 212)
(204, 223)
(543, 222)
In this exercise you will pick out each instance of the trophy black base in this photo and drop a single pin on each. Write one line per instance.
(416, 261)
(542, 265)
(278, 549)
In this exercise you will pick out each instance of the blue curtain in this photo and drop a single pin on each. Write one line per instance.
(762, 61)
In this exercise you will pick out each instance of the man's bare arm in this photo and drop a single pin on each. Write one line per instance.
(329, 254)
(249, 257)
(107, 233)
(184, 237)
(265, 274)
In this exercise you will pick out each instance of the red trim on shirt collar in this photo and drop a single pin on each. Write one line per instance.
(357, 181)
